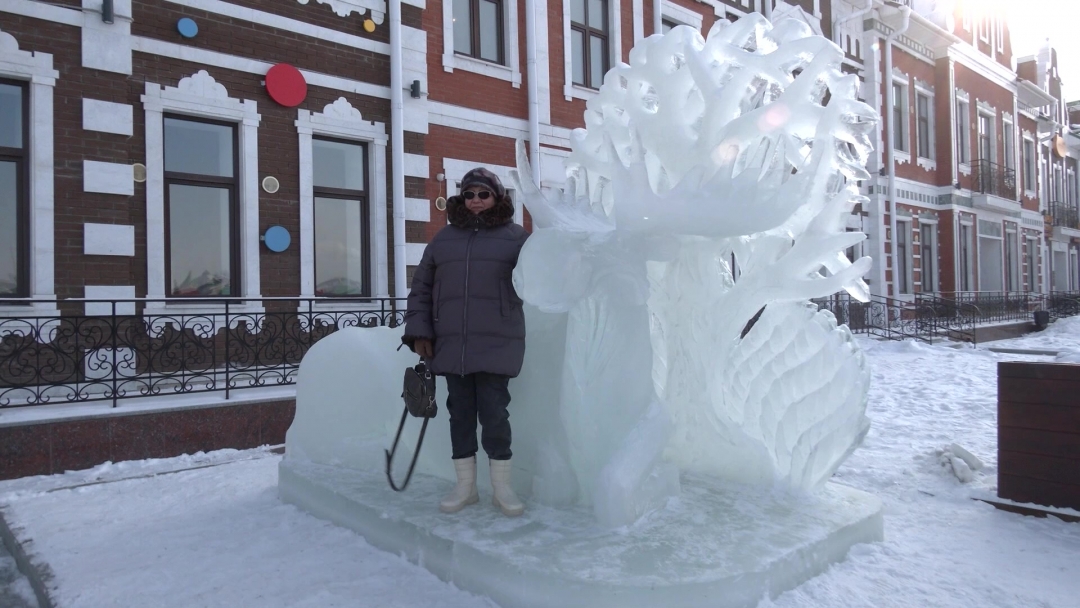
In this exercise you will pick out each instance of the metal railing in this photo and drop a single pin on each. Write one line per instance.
(992, 178)
(146, 347)
(1064, 215)
(953, 316)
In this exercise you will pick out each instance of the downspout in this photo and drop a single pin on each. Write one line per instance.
(658, 16)
(859, 13)
(890, 146)
(533, 90)
(397, 149)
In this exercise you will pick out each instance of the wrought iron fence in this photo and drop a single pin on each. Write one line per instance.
(117, 349)
(995, 179)
(1064, 215)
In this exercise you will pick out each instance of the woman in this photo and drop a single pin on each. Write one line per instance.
(465, 319)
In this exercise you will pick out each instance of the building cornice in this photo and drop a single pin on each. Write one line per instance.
(984, 66)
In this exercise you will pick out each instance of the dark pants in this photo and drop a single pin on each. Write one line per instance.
(484, 396)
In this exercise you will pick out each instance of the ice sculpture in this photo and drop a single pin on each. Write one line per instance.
(710, 185)
(672, 349)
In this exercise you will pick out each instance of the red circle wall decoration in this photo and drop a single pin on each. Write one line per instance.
(286, 85)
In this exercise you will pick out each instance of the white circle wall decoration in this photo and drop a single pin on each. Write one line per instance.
(270, 184)
(138, 172)
(440, 204)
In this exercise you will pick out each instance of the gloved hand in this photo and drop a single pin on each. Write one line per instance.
(424, 347)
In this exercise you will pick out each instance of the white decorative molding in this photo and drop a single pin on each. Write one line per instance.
(109, 292)
(37, 69)
(416, 165)
(108, 239)
(510, 72)
(343, 121)
(964, 168)
(680, 14)
(901, 157)
(106, 46)
(344, 8)
(108, 178)
(417, 210)
(201, 96)
(107, 117)
(926, 163)
(985, 107)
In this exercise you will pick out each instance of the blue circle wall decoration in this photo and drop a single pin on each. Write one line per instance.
(277, 239)
(187, 27)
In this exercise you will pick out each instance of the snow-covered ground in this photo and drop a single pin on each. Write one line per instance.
(209, 530)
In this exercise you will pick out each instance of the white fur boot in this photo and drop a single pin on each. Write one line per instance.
(504, 496)
(464, 493)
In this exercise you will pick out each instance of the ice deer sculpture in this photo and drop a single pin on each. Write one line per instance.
(705, 204)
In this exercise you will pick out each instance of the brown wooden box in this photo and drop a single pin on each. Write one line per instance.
(1039, 433)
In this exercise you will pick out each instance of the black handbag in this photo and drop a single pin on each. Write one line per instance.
(418, 391)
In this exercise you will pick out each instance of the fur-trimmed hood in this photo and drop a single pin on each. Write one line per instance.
(459, 215)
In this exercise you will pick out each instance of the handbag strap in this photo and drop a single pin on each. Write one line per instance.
(393, 449)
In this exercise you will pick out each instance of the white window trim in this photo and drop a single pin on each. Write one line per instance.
(981, 112)
(926, 162)
(935, 254)
(904, 223)
(341, 120)
(1007, 125)
(681, 15)
(999, 27)
(984, 28)
(37, 69)
(1012, 235)
(962, 166)
(199, 95)
(1027, 137)
(571, 90)
(902, 155)
(511, 72)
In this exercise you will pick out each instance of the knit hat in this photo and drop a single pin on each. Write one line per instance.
(482, 177)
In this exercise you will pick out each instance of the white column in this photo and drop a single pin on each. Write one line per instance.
(41, 188)
(249, 208)
(307, 214)
(381, 281)
(155, 205)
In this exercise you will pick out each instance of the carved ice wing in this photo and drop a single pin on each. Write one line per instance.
(797, 385)
(571, 211)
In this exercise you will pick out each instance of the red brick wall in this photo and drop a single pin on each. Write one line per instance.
(925, 72)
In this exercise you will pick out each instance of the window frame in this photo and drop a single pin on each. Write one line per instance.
(194, 179)
(614, 48)
(927, 152)
(1013, 272)
(1031, 263)
(928, 257)
(509, 70)
(318, 191)
(476, 30)
(988, 136)
(588, 33)
(963, 131)
(967, 255)
(1028, 157)
(1008, 142)
(903, 262)
(899, 114)
(20, 157)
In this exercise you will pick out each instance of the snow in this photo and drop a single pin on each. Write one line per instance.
(209, 529)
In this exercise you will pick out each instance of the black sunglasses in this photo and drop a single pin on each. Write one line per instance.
(483, 194)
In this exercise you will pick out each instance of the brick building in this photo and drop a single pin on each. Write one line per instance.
(220, 162)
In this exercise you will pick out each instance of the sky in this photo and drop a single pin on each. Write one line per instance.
(1032, 21)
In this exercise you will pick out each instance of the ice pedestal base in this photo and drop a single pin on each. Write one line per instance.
(714, 546)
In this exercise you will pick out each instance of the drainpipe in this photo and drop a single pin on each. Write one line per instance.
(658, 16)
(838, 22)
(890, 146)
(397, 149)
(533, 90)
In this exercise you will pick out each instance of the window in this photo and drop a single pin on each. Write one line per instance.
(928, 256)
(200, 208)
(666, 25)
(478, 30)
(986, 137)
(925, 127)
(589, 41)
(966, 245)
(1012, 261)
(1030, 257)
(341, 218)
(963, 130)
(900, 142)
(1009, 141)
(14, 136)
(902, 280)
(1029, 165)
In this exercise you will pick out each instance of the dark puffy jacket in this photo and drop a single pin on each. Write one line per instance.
(462, 294)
